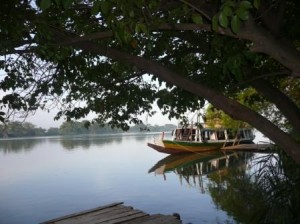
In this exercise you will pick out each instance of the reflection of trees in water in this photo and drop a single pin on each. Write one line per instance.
(251, 188)
(234, 192)
(192, 167)
(85, 142)
(141, 137)
(268, 193)
(279, 179)
(193, 173)
(18, 145)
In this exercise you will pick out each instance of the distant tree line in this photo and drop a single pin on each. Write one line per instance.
(20, 129)
(27, 129)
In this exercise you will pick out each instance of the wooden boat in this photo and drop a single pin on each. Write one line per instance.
(187, 140)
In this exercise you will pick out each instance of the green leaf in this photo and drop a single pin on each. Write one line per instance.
(137, 28)
(256, 4)
(67, 3)
(105, 7)
(227, 10)
(215, 23)
(245, 5)
(242, 13)
(197, 18)
(141, 28)
(95, 8)
(229, 3)
(131, 13)
(45, 4)
(235, 24)
(223, 20)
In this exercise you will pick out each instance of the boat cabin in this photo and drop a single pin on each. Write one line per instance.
(212, 135)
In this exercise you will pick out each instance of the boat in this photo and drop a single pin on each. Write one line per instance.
(194, 140)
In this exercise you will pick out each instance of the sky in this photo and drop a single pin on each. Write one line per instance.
(46, 120)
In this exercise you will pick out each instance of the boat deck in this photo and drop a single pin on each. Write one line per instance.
(115, 213)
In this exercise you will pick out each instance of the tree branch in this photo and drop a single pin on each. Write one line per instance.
(92, 36)
(262, 42)
(255, 78)
(288, 108)
(229, 106)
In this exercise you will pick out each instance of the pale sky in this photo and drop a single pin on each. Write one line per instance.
(46, 120)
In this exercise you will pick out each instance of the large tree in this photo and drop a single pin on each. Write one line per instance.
(96, 56)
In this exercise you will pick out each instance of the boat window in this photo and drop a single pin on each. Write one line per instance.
(204, 135)
(248, 133)
(221, 135)
(241, 134)
(212, 135)
(193, 134)
(229, 134)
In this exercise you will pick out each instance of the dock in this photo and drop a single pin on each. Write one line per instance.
(115, 213)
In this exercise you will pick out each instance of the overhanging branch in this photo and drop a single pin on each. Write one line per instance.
(229, 106)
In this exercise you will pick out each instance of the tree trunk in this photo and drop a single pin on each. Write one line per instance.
(229, 106)
(265, 42)
(286, 106)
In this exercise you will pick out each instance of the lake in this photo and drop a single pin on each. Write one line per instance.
(44, 178)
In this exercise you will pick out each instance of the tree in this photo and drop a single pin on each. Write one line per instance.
(73, 128)
(53, 131)
(20, 129)
(217, 118)
(93, 56)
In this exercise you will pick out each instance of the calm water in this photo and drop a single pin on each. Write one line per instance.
(44, 178)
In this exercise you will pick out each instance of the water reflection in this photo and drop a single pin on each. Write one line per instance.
(192, 167)
(141, 137)
(19, 145)
(87, 141)
(251, 188)
(84, 142)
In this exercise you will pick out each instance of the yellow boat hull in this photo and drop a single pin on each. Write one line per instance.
(179, 147)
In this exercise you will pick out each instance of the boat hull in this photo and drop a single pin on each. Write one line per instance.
(182, 147)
